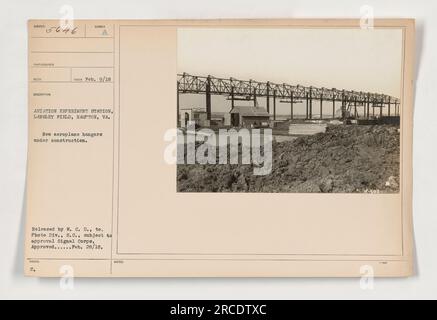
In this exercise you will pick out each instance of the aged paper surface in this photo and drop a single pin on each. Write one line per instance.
(102, 200)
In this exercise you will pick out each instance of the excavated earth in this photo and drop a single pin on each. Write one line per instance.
(344, 159)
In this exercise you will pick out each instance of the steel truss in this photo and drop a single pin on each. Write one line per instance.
(248, 90)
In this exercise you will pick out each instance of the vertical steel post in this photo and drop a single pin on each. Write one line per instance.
(355, 107)
(291, 106)
(333, 105)
(232, 97)
(343, 106)
(321, 105)
(368, 106)
(208, 98)
(268, 97)
(177, 105)
(254, 97)
(389, 105)
(274, 104)
(380, 109)
(311, 103)
(307, 104)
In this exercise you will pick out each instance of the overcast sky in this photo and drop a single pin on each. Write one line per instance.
(353, 59)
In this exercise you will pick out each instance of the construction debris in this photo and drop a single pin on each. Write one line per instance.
(344, 159)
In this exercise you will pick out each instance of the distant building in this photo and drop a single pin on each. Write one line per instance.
(220, 119)
(245, 116)
(241, 116)
(199, 116)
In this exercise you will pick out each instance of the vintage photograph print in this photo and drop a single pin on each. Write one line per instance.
(304, 110)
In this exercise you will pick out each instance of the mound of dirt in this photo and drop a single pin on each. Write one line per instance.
(344, 159)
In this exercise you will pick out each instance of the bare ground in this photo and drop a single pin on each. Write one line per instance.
(345, 159)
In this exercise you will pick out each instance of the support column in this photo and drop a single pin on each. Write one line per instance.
(177, 106)
(291, 105)
(321, 106)
(343, 106)
(254, 97)
(232, 98)
(368, 106)
(208, 98)
(333, 106)
(389, 105)
(268, 97)
(380, 109)
(307, 105)
(311, 103)
(355, 108)
(274, 104)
